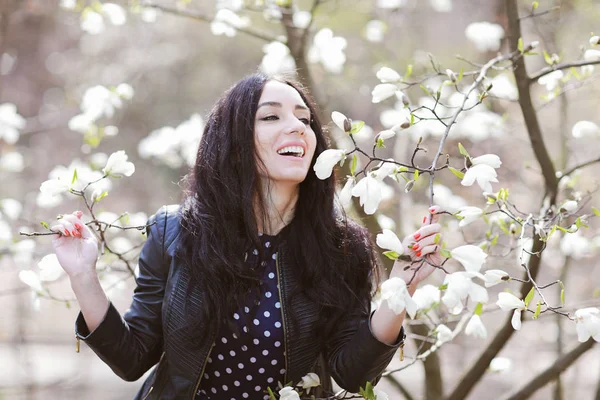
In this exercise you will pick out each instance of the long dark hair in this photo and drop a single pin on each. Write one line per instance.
(333, 257)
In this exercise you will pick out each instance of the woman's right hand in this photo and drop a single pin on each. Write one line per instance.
(77, 247)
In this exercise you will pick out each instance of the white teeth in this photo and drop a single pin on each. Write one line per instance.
(296, 150)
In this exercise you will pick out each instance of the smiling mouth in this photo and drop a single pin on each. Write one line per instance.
(295, 151)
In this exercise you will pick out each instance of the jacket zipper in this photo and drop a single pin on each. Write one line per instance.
(155, 376)
(285, 358)
(202, 372)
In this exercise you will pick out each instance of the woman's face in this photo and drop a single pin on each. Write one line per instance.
(284, 140)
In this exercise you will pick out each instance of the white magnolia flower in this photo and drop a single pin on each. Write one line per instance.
(10, 123)
(389, 241)
(50, 269)
(395, 292)
(345, 195)
(383, 91)
(493, 277)
(469, 214)
(277, 59)
(586, 70)
(68, 4)
(375, 31)
(388, 75)
(5, 232)
(386, 134)
(470, 256)
(380, 394)
(328, 50)
(32, 280)
(288, 393)
(326, 161)
(98, 101)
(585, 128)
(339, 120)
(426, 296)
(10, 208)
(503, 87)
(551, 80)
(459, 287)
(54, 187)
(149, 14)
(22, 251)
(485, 36)
(390, 3)
(82, 123)
(117, 165)
(115, 13)
(302, 19)
(500, 364)
(594, 40)
(441, 5)
(92, 22)
(385, 169)
(369, 190)
(446, 199)
(591, 55)
(569, 206)
(47, 200)
(444, 334)
(309, 381)
(483, 171)
(12, 162)
(476, 328)
(587, 324)
(226, 21)
(507, 302)
(125, 91)
(576, 245)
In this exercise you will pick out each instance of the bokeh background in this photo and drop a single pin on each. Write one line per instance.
(179, 65)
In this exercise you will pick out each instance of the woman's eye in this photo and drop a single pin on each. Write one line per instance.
(305, 120)
(270, 118)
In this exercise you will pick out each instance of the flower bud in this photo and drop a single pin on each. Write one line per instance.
(534, 44)
(595, 40)
(451, 75)
(347, 125)
(409, 185)
(405, 125)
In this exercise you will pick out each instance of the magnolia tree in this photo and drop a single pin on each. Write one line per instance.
(435, 120)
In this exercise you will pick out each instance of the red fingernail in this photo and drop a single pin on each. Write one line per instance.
(419, 254)
(78, 225)
(66, 233)
(431, 209)
(417, 236)
(415, 247)
(424, 219)
(76, 234)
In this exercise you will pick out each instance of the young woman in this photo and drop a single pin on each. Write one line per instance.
(256, 278)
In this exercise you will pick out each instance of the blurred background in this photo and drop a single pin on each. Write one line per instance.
(174, 65)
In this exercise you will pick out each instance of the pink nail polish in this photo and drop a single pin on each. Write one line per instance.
(417, 236)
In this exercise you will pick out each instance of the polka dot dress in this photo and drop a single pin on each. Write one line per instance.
(243, 365)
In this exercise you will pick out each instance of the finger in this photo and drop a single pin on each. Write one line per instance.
(427, 230)
(427, 241)
(427, 250)
(60, 228)
(69, 227)
(435, 212)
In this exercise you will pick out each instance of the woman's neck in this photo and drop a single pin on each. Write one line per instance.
(280, 203)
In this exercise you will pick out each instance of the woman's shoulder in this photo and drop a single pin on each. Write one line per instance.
(167, 221)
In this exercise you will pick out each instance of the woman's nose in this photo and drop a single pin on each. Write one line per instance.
(296, 126)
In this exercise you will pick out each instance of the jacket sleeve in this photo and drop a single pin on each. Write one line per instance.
(131, 344)
(355, 355)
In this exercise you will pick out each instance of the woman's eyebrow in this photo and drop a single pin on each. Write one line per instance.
(277, 104)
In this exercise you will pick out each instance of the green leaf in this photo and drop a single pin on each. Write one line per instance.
(579, 223)
(534, 5)
(547, 58)
(354, 163)
(462, 150)
(460, 75)
(575, 73)
(102, 195)
(596, 211)
(538, 309)
(459, 174)
(271, 394)
(392, 255)
(356, 126)
(74, 179)
(529, 296)
(562, 292)
(423, 88)
(479, 309)
(416, 175)
(495, 240)
(367, 391)
(445, 253)
(412, 119)
(380, 143)
(436, 239)
(409, 70)
(443, 287)
(343, 160)
(45, 225)
(520, 45)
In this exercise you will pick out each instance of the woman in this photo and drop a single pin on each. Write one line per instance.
(256, 278)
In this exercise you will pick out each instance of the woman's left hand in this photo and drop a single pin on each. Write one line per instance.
(423, 246)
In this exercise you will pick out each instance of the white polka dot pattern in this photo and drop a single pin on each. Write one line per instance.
(242, 365)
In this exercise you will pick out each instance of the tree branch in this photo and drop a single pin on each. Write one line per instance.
(557, 67)
(207, 18)
(552, 372)
(575, 168)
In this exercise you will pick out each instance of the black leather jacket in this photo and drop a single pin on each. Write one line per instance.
(148, 332)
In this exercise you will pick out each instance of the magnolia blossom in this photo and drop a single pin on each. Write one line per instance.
(54, 187)
(468, 215)
(486, 36)
(326, 161)
(92, 22)
(387, 75)
(50, 269)
(10, 208)
(345, 195)
(444, 334)
(385, 169)
(459, 287)
(470, 256)
(569, 206)
(117, 165)
(339, 120)
(115, 13)
(390, 3)
(395, 292)
(591, 55)
(375, 31)
(383, 91)
(576, 245)
(277, 58)
(500, 364)
(389, 241)
(98, 101)
(309, 381)
(483, 171)
(369, 190)
(226, 21)
(585, 128)
(507, 302)
(12, 161)
(503, 87)
(328, 50)
(476, 328)
(386, 134)
(32, 280)
(426, 296)
(493, 277)
(10, 123)
(302, 19)
(587, 324)
(551, 80)
(288, 393)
